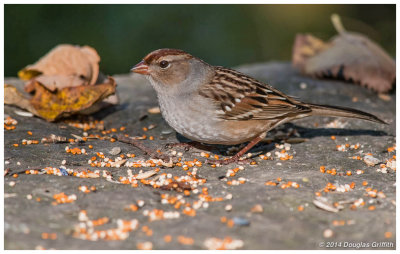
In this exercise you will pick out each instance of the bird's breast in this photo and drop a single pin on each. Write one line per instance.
(198, 121)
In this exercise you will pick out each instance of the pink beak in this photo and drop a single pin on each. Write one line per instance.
(141, 68)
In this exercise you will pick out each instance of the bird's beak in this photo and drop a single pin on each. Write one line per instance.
(141, 68)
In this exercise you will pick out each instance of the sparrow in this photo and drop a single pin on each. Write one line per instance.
(216, 105)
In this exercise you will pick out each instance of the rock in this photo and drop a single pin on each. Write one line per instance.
(265, 230)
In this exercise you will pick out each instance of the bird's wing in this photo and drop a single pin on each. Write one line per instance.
(240, 97)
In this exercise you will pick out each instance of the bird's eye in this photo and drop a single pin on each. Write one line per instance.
(164, 64)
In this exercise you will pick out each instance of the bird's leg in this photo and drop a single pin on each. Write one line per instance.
(189, 145)
(237, 156)
(142, 147)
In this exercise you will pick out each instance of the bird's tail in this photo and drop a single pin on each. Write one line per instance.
(324, 110)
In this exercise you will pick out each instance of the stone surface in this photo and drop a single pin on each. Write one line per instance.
(288, 218)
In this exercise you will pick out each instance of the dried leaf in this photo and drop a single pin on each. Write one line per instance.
(64, 66)
(70, 100)
(14, 97)
(64, 82)
(350, 56)
(55, 82)
(61, 103)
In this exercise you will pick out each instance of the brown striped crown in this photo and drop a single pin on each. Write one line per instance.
(156, 54)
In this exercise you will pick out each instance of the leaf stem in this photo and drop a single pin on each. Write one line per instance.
(337, 23)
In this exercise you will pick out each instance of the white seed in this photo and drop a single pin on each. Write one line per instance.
(328, 233)
(303, 85)
(228, 208)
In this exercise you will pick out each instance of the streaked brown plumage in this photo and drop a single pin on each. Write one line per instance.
(217, 105)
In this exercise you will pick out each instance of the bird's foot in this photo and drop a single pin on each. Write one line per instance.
(230, 160)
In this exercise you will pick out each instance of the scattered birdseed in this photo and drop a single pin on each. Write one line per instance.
(52, 236)
(167, 238)
(228, 208)
(144, 246)
(62, 198)
(10, 123)
(303, 85)
(11, 184)
(391, 164)
(336, 124)
(388, 234)
(154, 110)
(86, 189)
(185, 240)
(257, 209)
(140, 203)
(223, 244)
(328, 233)
(391, 149)
(85, 229)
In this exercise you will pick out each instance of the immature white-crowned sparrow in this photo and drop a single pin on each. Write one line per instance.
(217, 105)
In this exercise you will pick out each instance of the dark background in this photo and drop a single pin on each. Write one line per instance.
(226, 35)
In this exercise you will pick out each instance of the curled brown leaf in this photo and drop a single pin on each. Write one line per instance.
(64, 66)
(350, 56)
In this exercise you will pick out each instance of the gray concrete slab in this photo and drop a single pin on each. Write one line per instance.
(288, 220)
